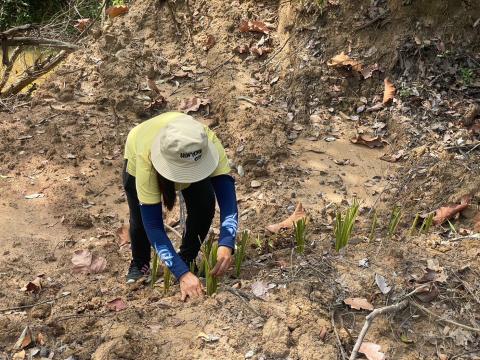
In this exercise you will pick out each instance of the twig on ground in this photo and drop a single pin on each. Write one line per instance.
(36, 304)
(440, 318)
(472, 237)
(373, 21)
(241, 297)
(368, 322)
(340, 346)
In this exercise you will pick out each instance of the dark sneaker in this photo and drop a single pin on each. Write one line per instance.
(136, 273)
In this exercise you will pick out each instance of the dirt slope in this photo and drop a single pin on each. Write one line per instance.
(287, 120)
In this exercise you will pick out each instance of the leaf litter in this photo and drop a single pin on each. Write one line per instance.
(288, 223)
(358, 303)
(84, 261)
(371, 351)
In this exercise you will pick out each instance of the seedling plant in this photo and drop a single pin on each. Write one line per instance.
(240, 252)
(209, 252)
(300, 226)
(394, 220)
(344, 223)
(427, 223)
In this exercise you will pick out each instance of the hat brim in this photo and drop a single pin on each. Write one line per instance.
(196, 171)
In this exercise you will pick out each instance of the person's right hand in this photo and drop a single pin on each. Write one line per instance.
(190, 286)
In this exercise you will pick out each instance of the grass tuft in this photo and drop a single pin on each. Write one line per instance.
(414, 225)
(167, 279)
(394, 220)
(240, 252)
(427, 223)
(344, 223)
(209, 260)
(300, 227)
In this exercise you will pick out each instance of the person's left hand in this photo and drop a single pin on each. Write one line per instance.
(224, 259)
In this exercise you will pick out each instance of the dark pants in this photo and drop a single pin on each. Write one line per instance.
(200, 202)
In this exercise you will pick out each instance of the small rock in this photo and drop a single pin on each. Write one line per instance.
(249, 354)
(240, 171)
(255, 184)
(330, 139)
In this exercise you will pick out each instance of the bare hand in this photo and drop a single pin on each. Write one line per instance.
(190, 286)
(224, 259)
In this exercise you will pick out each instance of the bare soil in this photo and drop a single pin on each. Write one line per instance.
(286, 119)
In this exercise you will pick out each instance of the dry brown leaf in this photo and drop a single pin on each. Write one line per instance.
(242, 49)
(159, 103)
(371, 351)
(41, 339)
(84, 261)
(426, 295)
(389, 92)
(115, 11)
(116, 305)
(34, 286)
(472, 112)
(476, 223)
(358, 303)
(475, 128)
(82, 24)
(254, 26)
(376, 107)
(193, 104)
(209, 42)
(298, 214)
(448, 212)
(394, 157)
(260, 51)
(19, 355)
(368, 71)
(153, 86)
(344, 61)
(24, 340)
(123, 235)
(370, 141)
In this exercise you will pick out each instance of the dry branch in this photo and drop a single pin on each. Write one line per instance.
(15, 41)
(10, 62)
(368, 322)
(27, 80)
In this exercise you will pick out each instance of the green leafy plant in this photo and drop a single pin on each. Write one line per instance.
(344, 223)
(209, 260)
(118, 2)
(427, 223)
(240, 252)
(299, 227)
(374, 226)
(414, 225)
(467, 75)
(167, 279)
(394, 220)
(155, 265)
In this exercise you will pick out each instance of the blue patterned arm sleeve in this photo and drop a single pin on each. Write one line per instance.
(153, 222)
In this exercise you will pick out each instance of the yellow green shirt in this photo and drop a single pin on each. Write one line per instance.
(137, 152)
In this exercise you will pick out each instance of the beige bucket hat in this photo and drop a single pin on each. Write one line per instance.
(182, 152)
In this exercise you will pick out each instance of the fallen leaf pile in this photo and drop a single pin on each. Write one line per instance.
(432, 275)
(358, 303)
(298, 214)
(193, 104)
(84, 261)
(447, 212)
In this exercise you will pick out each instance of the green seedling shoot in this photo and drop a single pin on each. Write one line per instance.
(394, 220)
(427, 223)
(155, 264)
(414, 225)
(374, 226)
(344, 223)
(240, 253)
(299, 227)
(167, 279)
(210, 259)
